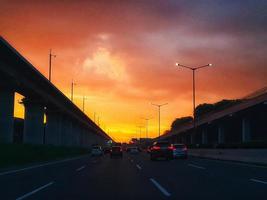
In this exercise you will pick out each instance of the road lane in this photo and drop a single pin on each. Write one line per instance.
(220, 181)
(15, 185)
(109, 179)
(136, 177)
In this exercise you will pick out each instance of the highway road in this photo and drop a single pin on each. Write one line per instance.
(134, 177)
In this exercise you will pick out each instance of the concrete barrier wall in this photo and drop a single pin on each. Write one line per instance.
(257, 156)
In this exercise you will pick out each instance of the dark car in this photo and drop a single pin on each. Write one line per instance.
(161, 149)
(116, 151)
(107, 150)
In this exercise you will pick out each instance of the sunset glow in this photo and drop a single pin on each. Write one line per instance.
(122, 55)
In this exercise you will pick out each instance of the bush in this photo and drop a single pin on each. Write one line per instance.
(18, 154)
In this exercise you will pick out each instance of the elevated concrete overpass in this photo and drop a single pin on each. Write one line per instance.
(66, 123)
(242, 123)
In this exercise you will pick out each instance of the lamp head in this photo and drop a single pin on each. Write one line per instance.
(210, 64)
(177, 64)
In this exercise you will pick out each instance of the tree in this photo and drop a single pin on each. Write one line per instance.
(178, 122)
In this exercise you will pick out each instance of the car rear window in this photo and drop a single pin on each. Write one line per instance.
(116, 148)
(179, 146)
(162, 144)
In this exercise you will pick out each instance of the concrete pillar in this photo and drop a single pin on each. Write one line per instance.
(6, 115)
(246, 130)
(53, 128)
(33, 122)
(64, 130)
(192, 138)
(204, 138)
(69, 131)
(220, 134)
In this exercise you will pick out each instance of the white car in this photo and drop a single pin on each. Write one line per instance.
(179, 151)
(97, 151)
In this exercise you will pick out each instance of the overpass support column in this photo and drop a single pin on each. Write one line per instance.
(33, 122)
(192, 138)
(53, 128)
(220, 134)
(6, 115)
(246, 130)
(68, 131)
(204, 137)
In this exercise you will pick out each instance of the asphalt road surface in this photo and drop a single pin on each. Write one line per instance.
(134, 177)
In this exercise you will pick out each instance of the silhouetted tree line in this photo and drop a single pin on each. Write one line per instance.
(203, 109)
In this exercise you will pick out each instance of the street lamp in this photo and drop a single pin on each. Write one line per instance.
(147, 119)
(193, 69)
(50, 64)
(140, 132)
(159, 106)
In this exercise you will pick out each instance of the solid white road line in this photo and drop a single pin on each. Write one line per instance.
(165, 192)
(258, 181)
(81, 168)
(196, 166)
(41, 165)
(34, 191)
(139, 167)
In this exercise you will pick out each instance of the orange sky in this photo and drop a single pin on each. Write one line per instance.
(121, 54)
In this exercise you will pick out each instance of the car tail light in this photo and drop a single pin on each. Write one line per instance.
(171, 148)
(155, 148)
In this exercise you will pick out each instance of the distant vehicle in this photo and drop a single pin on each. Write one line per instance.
(133, 150)
(107, 150)
(116, 151)
(161, 149)
(179, 151)
(96, 151)
(148, 150)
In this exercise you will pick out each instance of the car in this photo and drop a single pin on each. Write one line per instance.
(133, 150)
(179, 151)
(107, 150)
(96, 151)
(148, 150)
(161, 149)
(116, 151)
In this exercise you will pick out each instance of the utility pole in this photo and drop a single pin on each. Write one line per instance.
(159, 106)
(72, 88)
(84, 98)
(50, 65)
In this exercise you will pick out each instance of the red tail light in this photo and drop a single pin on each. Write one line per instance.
(155, 148)
(171, 148)
(185, 149)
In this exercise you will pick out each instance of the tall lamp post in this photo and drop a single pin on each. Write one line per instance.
(147, 119)
(159, 106)
(193, 69)
(50, 65)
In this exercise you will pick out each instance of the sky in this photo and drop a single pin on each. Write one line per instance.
(121, 54)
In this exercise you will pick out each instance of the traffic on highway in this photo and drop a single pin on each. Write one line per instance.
(133, 100)
(161, 171)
